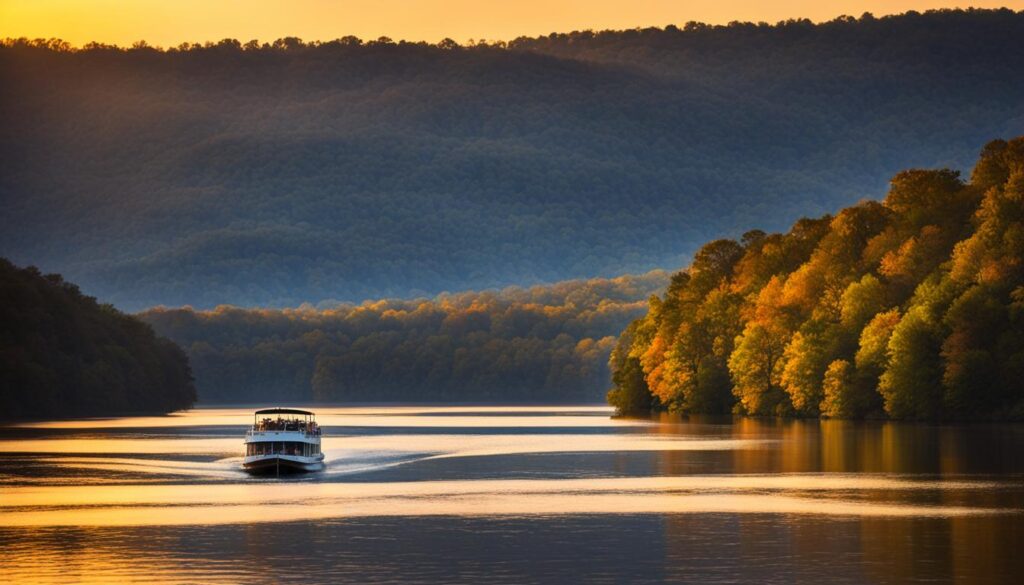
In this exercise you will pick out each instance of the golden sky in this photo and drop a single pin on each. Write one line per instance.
(170, 22)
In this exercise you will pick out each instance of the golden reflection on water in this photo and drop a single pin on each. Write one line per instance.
(898, 483)
(242, 503)
(390, 416)
(317, 492)
(489, 505)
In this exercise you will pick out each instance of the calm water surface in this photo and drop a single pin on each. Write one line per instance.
(516, 495)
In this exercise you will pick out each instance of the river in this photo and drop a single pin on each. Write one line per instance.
(513, 494)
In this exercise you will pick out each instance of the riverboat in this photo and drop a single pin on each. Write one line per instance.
(283, 440)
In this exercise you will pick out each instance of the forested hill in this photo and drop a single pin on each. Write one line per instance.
(277, 174)
(911, 308)
(542, 344)
(62, 354)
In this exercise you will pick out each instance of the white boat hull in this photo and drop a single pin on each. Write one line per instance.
(279, 463)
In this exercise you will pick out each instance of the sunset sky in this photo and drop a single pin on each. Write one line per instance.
(166, 23)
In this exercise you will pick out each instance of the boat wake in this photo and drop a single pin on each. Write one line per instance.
(139, 459)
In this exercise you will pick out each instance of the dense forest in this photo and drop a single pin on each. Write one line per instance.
(912, 308)
(63, 354)
(275, 174)
(542, 344)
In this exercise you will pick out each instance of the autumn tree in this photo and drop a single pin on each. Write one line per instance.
(912, 308)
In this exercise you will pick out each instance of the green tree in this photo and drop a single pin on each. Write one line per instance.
(630, 396)
(805, 360)
(861, 301)
(842, 397)
(912, 382)
(755, 372)
(970, 375)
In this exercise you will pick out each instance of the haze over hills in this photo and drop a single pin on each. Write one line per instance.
(288, 173)
(541, 344)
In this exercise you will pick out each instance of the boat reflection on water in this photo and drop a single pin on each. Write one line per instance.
(283, 440)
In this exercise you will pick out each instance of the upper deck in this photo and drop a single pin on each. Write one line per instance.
(272, 423)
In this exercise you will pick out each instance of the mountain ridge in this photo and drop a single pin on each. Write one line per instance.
(290, 173)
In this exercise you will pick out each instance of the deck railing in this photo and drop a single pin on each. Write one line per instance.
(305, 432)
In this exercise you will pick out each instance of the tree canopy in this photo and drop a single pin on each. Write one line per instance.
(912, 308)
(539, 344)
(63, 354)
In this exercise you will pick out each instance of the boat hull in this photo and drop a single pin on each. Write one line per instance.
(274, 464)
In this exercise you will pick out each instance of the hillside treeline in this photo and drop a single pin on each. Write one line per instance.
(912, 308)
(542, 344)
(272, 174)
(63, 354)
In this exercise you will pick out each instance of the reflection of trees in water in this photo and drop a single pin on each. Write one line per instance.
(769, 548)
